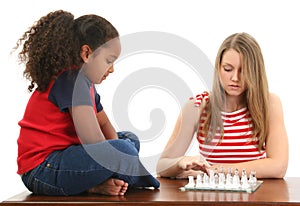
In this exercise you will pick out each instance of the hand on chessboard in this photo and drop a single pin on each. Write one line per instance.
(192, 166)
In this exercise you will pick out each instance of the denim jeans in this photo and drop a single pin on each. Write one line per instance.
(80, 167)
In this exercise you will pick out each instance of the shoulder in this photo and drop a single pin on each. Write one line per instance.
(195, 105)
(273, 97)
(275, 106)
(200, 100)
(274, 101)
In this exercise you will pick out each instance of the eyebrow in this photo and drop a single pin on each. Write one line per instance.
(113, 56)
(227, 64)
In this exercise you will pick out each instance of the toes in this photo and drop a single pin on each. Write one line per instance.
(118, 182)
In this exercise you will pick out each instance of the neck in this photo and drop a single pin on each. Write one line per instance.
(235, 103)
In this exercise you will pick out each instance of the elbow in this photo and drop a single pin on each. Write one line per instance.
(280, 170)
(165, 169)
(159, 169)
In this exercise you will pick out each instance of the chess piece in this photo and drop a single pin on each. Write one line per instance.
(244, 179)
(199, 180)
(252, 178)
(229, 178)
(191, 183)
(211, 177)
(216, 179)
(222, 178)
(236, 179)
(205, 180)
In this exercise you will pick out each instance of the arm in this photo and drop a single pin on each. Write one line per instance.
(86, 124)
(276, 162)
(172, 162)
(106, 127)
(92, 128)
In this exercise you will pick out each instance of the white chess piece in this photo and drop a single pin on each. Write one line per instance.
(191, 183)
(229, 178)
(244, 179)
(205, 180)
(236, 179)
(252, 178)
(199, 180)
(211, 177)
(221, 180)
(216, 180)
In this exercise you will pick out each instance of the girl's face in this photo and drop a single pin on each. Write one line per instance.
(230, 73)
(99, 64)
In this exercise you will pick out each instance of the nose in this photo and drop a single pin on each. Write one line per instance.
(235, 75)
(111, 69)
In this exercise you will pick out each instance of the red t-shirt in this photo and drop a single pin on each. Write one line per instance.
(47, 125)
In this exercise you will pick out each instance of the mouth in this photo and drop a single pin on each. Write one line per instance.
(104, 77)
(233, 86)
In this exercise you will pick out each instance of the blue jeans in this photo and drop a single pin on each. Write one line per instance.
(80, 167)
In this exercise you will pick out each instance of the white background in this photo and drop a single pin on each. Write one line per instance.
(275, 25)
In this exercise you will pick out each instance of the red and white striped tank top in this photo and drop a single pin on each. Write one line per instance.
(237, 145)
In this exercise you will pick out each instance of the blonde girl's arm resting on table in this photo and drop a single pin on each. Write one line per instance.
(276, 162)
(170, 164)
(277, 141)
(86, 124)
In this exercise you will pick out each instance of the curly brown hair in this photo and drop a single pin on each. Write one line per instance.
(54, 42)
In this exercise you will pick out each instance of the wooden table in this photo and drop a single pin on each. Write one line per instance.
(272, 192)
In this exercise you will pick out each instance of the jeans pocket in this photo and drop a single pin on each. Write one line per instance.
(40, 187)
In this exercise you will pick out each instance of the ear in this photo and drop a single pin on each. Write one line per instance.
(85, 52)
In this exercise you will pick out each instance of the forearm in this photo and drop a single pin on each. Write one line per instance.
(265, 168)
(86, 125)
(168, 167)
(173, 162)
(108, 131)
(106, 127)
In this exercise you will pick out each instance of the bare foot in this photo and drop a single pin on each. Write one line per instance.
(110, 187)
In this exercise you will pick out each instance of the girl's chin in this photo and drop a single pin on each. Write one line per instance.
(100, 81)
(234, 93)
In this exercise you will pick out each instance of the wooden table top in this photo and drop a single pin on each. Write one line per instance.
(273, 191)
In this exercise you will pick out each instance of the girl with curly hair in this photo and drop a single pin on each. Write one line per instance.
(67, 145)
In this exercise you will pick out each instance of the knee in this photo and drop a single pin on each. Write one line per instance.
(131, 137)
(124, 146)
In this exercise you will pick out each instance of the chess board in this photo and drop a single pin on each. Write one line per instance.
(219, 181)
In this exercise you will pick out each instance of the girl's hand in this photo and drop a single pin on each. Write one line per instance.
(192, 165)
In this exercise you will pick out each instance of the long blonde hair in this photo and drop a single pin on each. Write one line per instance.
(255, 80)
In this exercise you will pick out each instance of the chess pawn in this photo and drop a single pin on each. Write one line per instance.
(236, 179)
(221, 180)
(205, 180)
(211, 177)
(229, 178)
(216, 179)
(244, 179)
(252, 178)
(191, 183)
(199, 180)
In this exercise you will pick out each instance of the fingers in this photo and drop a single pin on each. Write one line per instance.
(193, 162)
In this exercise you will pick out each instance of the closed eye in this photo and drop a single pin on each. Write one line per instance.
(109, 62)
(227, 68)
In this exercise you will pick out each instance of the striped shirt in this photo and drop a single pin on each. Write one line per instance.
(237, 144)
